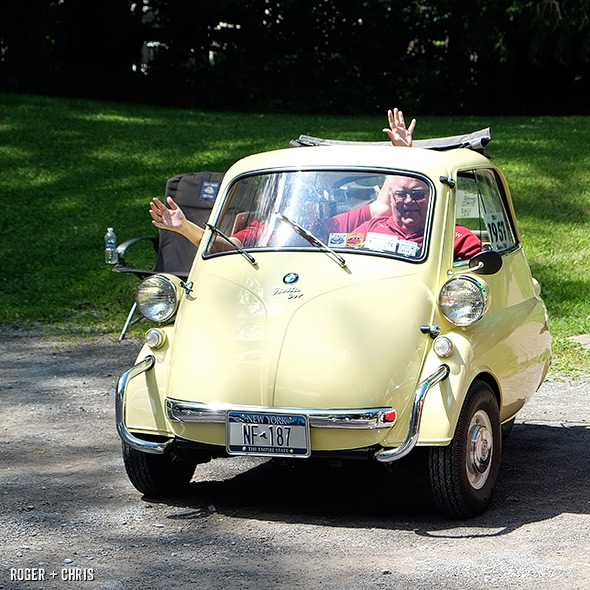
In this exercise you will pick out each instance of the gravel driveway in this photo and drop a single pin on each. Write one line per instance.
(70, 518)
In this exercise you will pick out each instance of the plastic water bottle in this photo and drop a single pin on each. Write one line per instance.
(110, 247)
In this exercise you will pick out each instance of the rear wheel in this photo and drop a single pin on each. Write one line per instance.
(157, 475)
(463, 474)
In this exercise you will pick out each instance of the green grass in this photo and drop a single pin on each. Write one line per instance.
(70, 168)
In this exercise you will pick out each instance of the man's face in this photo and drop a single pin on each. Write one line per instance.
(409, 203)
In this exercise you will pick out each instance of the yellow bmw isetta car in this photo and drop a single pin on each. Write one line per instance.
(346, 300)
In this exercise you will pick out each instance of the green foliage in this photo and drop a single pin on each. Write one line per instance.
(70, 168)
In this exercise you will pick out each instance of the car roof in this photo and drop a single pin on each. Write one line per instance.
(383, 157)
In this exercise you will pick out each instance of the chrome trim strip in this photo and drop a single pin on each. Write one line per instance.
(136, 443)
(388, 455)
(355, 419)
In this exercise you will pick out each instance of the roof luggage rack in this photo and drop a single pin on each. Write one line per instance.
(477, 140)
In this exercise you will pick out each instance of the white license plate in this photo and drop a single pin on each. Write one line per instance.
(273, 435)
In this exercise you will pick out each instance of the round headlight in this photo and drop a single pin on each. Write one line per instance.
(463, 300)
(157, 298)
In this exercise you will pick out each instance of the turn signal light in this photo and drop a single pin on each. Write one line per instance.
(390, 416)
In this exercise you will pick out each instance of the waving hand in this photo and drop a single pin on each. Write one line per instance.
(397, 131)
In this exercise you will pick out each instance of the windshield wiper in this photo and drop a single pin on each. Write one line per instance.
(241, 250)
(313, 240)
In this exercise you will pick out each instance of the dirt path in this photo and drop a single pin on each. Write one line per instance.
(68, 509)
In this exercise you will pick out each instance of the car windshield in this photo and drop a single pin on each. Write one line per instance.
(332, 210)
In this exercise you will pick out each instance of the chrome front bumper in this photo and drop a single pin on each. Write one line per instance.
(359, 419)
(137, 443)
(389, 455)
(203, 413)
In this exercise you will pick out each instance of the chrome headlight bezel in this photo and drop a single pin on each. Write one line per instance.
(157, 298)
(463, 300)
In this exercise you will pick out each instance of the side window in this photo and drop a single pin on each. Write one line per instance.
(480, 208)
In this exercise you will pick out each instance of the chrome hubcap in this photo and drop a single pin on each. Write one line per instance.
(480, 448)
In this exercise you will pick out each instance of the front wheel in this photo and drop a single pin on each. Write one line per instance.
(463, 474)
(157, 476)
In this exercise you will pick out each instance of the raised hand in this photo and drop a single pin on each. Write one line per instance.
(381, 206)
(397, 132)
(170, 217)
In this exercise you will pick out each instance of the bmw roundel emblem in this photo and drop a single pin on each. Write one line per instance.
(290, 278)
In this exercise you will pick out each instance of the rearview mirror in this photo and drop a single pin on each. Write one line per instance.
(488, 262)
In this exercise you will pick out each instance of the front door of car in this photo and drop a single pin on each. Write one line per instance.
(511, 332)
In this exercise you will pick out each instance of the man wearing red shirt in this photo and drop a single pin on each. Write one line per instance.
(400, 211)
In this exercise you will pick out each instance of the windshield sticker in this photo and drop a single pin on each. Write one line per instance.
(406, 248)
(382, 242)
(498, 231)
(337, 239)
(354, 240)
